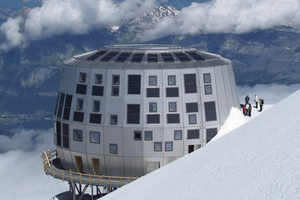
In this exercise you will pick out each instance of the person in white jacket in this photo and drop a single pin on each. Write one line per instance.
(256, 99)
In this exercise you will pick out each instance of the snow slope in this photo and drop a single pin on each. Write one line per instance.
(258, 160)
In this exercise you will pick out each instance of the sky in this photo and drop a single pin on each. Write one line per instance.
(57, 17)
(258, 160)
(21, 169)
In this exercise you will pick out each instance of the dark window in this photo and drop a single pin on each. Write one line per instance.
(95, 118)
(109, 56)
(123, 57)
(67, 113)
(78, 116)
(210, 133)
(98, 78)
(152, 107)
(133, 114)
(59, 111)
(62, 99)
(169, 146)
(68, 102)
(137, 135)
(190, 85)
(206, 78)
(177, 135)
(191, 107)
(137, 57)
(172, 107)
(97, 91)
(152, 92)
(182, 57)
(82, 77)
(58, 127)
(193, 134)
(152, 57)
(173, 118)
(134, 84)
(172, 92)
(207, 89)
(96, 55)
(67, 108)
(152, 119)
(171, 80)
(114, 90)
(58, 133)
(167, 57)
(157, 146)
(113, 119)
(57, 100)
(95, 137)
(81, 89)
(77, 135)
(210, 111)
(115, 80)
(58, 139)
(152, 80)
(65, 135)
(192, 119)
(79, 105)
(96, 106)
(148, 135)
(113, 148)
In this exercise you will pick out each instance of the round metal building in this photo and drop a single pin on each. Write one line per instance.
(126, 110)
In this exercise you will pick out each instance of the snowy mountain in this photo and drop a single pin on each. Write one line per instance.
(258, 160)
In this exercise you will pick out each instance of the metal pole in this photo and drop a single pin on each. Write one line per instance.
(74, 195)
(92, 187)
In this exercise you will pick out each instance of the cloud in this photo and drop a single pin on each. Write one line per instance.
(56, 17)
(222, 16)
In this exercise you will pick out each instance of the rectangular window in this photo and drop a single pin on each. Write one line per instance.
(96, 106)
(80, 89)
(61, 103)
(67, 113)
(192, 119)
(207, 89)
(68, 101)
(97, 90)
(82, 77)
(98, 78)
(152, 107)
(157, 146)
(152, 80)
(115, 80)
(113, 148)
(190, 85)
(95, 137)
(78, 116)
(114, 90)
(210, 111)
(65, 135)
(77, 135)
(172, 107)
(137, 135)
(193, 134)
(95, 118)
(58, 133)
(134, 84)
(152, 92)
(191, 107)
(210, 133)
(173, 118)
(168, 146)
(206, 78)
(79, 105)
(171, 80)
(178, 135)
(133, 113)
(67, 108)
(148, 135)
(113, 119)
(153, 119)
(172, 92)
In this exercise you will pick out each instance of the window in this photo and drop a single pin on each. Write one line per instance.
(60, 105)
(95, 118)
(171, 80)
(134, 84)
(80, 89)
(113, 148)
(58, 133)
(173, 118)
(115, 80)
(193, 134)
(98, 78)
(210, 111)
(113, 119)
(169, 146)
(152, 92)
(172, 92)
(210, 133)
(97, 90)
(133, 113)
(157, 146)
(65, 135)
(153, 119)
(191, 107)
(67, 108)
(77, 135)
(137, 135)
(206, 78)
(192, 119)
(172, 107)
(190, 85)
(95, 137)
(152, 107)
(178, 135)
(152, 80)
(96, 106)
(79, 105)
(148, 135)
(78, 117)
(207, 89)
(82, 77)
(114, 90)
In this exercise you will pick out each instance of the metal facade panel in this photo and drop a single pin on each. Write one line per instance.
(94, 148)
(78, 146)
(68, 161)
(101, 161)
(114, 165)
(132, 147)
(113, 135)
(134, 166)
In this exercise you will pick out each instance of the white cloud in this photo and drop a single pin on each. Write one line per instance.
(57, 17)
(222, 16)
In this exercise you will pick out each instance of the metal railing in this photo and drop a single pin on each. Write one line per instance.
(68, 175)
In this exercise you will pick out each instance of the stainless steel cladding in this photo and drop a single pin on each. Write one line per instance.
(128, 110)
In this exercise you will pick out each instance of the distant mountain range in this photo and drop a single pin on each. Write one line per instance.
(29, 77)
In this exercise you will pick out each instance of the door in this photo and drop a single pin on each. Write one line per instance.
(96, 166)
(191, 148)
(79, 164)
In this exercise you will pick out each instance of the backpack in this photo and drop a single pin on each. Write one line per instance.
(262, 101)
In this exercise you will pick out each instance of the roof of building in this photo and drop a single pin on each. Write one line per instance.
(149, 56)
